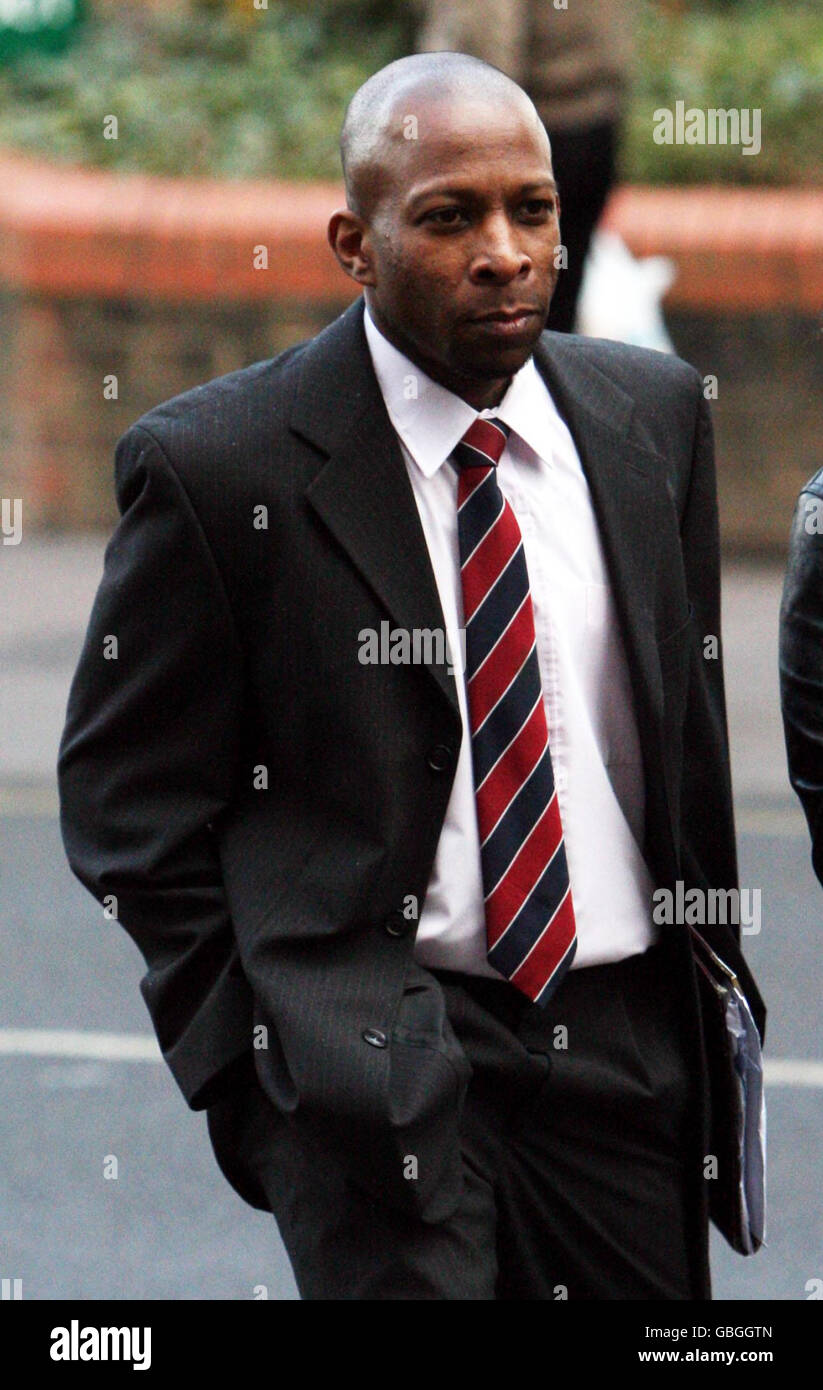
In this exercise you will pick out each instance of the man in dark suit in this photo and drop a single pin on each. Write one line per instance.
(397, 914)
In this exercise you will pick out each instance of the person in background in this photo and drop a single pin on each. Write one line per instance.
(575, 64)
(801, 659)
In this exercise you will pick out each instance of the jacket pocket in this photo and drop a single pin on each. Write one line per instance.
(429, 1075)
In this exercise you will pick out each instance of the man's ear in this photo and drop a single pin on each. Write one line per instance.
(348, 237)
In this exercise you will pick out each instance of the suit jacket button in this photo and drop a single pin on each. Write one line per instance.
(440, 758)
(396, 924)
(375, 1037)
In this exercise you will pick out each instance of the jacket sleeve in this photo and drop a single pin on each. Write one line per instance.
(147, 761)
(707, 834)
(707, 831)
(801, 660)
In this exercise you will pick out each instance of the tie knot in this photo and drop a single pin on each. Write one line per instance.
(482, 444)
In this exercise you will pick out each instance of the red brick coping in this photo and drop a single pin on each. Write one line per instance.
(734, 248)
(72, 231)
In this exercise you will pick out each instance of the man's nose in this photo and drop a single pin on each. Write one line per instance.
(499, 256)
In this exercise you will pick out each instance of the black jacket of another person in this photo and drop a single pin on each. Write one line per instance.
(801, 659)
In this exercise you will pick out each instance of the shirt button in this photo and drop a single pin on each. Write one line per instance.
(374, 1037)
(440, 758)
(395, 924)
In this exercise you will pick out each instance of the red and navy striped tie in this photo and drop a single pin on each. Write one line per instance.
(530, 927)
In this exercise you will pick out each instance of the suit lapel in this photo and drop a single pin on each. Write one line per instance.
(628, 502)
(363, 493)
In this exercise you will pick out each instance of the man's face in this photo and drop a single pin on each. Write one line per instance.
(460, 247)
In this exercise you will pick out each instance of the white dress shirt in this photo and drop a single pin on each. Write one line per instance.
(593, 738)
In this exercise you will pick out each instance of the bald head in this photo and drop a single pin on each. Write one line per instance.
(390, 109)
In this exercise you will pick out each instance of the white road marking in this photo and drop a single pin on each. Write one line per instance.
(788, 1071)
(102, 1047)
(141, 1047)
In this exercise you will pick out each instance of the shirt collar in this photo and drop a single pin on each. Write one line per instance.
(431, 420)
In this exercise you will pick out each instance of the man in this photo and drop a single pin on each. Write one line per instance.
(451, 1071)
(801, 659)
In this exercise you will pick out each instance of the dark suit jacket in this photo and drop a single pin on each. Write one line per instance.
(280, 905)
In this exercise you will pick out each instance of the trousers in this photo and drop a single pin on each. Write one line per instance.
(574, 1140)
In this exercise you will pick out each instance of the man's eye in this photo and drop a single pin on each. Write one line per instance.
(535, 207)
(445, 217)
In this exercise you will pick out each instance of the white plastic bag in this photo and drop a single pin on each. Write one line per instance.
(620, 296)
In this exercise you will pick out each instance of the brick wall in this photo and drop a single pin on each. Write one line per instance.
(767, 414)
(154, 280)
(59, 431)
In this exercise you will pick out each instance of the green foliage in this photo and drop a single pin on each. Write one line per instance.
(759, 54)
(230, 91)
(223, 91)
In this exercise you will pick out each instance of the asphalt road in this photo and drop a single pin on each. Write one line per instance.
(168, 1226)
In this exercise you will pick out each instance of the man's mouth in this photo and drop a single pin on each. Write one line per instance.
(507, 323)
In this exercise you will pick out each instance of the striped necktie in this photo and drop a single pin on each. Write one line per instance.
(530, 930)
